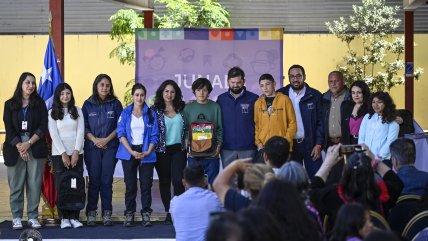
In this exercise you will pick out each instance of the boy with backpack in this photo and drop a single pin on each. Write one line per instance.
(204, 129)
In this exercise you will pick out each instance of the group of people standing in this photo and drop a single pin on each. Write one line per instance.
(144, 137)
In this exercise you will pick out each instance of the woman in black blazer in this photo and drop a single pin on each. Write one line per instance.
(26, 120)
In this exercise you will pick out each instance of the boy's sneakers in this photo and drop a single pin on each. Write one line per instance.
(107, 218)
(75, 223)
(34, 223)
(92, 218)
(17, 223)
(65, 223)
(146, 219)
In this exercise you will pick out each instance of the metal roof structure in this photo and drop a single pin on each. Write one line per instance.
(91, 16)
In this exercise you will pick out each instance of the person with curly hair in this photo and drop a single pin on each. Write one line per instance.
(379, 128)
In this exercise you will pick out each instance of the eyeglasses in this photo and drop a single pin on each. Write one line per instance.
(299, 76)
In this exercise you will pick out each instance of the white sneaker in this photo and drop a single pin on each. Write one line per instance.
(65, 223)
(17, 223)
(34, 223)
(75, 223)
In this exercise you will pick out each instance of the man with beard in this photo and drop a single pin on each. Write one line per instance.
(237, 111)
(309, 137)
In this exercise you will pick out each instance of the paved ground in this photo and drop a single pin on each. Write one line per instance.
(118, 199)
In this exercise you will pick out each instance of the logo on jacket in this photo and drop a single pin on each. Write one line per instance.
(310, 106)
(245, 108)
(110, 114)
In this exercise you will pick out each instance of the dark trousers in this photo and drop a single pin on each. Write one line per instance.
(145, 172)
(100, 164)
(59, 169)
(170, 166)
(211, 166)
(302, 154)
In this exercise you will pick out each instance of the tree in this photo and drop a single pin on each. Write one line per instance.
(178, 14)
(371, 55)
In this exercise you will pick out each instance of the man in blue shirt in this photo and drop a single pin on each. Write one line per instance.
(237, 109)
(403, 156)
(307, 107)
(191, 210)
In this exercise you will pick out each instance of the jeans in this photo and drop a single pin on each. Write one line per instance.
(302, 154)
(170, 166)
(211, 166)
(100, 164)
(145, 171)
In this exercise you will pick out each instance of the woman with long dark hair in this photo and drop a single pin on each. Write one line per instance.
(101, 112)
(26, 120)
(352, 223)
(137, 131)
(171, 149)
(285, 204)
(67, 130)
(379, 128)
(355, 111)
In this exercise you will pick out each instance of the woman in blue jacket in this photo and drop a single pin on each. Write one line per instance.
(101, 112)
(137, 130)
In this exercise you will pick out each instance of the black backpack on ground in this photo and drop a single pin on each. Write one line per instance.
(71, 197)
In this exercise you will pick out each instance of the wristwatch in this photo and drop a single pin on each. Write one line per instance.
(29, 142)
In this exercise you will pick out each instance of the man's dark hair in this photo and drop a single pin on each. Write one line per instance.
(194, 174)
(267, 77)
(236, 72)
(277, 150)
(201, 83)
(404, 151)
(297, 66)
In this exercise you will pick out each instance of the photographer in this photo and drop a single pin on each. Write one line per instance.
(357, 184)
(255, 176)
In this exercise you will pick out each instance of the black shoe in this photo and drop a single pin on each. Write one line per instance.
(92, 218)
(168, 219)
(107, 218)
(129, 219)
(146, 219)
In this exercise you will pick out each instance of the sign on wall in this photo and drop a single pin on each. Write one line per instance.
(184, 55)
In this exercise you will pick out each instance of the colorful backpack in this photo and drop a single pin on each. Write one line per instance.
(202, 141)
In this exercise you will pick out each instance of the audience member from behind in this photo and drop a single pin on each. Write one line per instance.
(191, 210)
(358, 184)
(294, 173)
(284, 203)
(403, 156)
(352, 223)
(25, 119)
(67, 130)
(224, 226)
(259, 225)
(277, 152)
(255, 177)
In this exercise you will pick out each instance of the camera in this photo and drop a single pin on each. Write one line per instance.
(348, 149)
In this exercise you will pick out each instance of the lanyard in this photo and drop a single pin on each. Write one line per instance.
(24, 112)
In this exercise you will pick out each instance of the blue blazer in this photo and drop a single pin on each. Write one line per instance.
(150, 136)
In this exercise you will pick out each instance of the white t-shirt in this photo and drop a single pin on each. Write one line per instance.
(137, 130)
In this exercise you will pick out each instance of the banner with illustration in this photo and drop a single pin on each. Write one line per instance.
(184, 55)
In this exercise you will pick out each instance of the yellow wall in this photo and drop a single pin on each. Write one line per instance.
(87, 55)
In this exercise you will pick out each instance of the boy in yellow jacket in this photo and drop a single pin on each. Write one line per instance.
(273, 114)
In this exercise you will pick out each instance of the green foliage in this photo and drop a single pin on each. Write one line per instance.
(193, 14)
(179, 14)
(370, 56)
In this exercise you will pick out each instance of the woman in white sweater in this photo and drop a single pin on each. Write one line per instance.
(67, 128)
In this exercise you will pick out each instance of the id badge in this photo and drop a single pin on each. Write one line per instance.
(73, 183)
(24, 125)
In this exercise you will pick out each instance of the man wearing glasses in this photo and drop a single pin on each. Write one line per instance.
(307, 142)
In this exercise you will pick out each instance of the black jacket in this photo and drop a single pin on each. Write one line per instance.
(37, 124)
